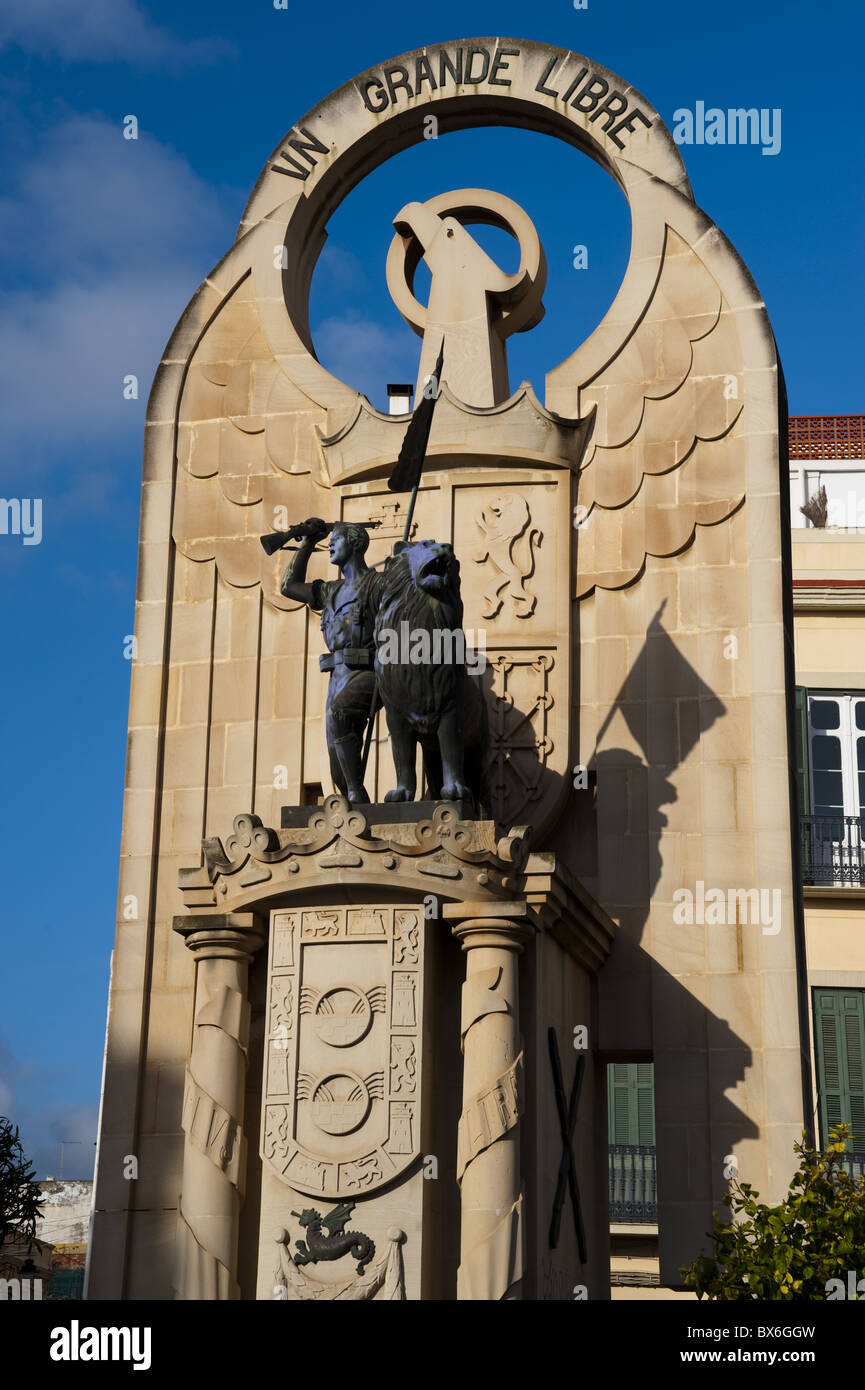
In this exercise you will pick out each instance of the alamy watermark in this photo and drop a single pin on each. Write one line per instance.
(847, 513)
(20, 1290)
(736, 126)
(21, 516)
(855, 1288)
(715, 907)
(438, 646)
(77, 1343)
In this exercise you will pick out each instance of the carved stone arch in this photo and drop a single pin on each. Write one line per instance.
(358, 141)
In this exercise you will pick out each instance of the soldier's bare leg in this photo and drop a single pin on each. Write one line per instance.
(347, 714)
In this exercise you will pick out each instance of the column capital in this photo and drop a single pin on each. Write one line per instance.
(504, 933)
(222, 935)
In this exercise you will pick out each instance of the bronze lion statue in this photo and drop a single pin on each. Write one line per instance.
(429, 697)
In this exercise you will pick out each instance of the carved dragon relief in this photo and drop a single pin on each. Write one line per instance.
(385, 1278)
(338, 1240)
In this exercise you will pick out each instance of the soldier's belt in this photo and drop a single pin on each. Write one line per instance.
(353, 657)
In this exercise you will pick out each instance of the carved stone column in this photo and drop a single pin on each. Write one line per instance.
(214, 1150)
(488, 1157)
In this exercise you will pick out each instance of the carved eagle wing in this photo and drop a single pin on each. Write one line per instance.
(247, 411)
(665, 453)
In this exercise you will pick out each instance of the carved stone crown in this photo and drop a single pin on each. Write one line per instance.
(526, 431)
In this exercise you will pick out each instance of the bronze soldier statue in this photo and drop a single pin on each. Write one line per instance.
(348, 609)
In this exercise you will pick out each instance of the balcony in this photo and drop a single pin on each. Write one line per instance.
(832, 851)
(854, 1164)
(634, 1188)
(633, 1184)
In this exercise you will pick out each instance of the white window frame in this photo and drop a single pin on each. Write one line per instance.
(847, 733)
(843, 857)
(806, 476)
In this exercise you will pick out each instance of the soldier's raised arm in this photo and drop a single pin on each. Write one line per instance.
(293, 581)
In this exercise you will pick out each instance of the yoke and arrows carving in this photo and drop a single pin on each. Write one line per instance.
(473, 304)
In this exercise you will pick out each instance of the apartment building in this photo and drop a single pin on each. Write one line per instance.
(827, 480)
(827, 477)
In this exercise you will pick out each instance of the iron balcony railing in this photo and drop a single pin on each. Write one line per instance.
(833, 851)
(854, 1164)
(633, 1184)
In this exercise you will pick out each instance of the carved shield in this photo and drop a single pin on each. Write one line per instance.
(341, 1111)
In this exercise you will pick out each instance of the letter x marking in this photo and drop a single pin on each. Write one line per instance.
(567, 1168)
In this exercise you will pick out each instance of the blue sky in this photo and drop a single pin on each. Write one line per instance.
(104, 240)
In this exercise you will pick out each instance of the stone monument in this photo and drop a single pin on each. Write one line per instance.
(359, 1046)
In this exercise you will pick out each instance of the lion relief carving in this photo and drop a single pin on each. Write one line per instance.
(510, 542)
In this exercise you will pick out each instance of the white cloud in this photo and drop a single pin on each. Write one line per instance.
(108, 242)
(65, 356)
(14, 1073)
(366, 354)
(44, 1126)
(88, 201)
(75, 1125)
(96, 31)
(341, 270)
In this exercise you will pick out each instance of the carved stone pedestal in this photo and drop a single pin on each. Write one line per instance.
(389, 1166)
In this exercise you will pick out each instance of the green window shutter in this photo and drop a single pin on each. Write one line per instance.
(839, 1029)
(854, 1041)
(618, 1102)
(803, 775)
(645, 1098)
(631, 1102)
(828, 1063)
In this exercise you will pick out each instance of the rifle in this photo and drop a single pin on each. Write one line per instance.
(303, 531)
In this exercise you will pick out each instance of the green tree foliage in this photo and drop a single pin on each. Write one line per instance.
(790, 1251)
(20, 1196)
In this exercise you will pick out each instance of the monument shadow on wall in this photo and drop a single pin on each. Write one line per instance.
(697, 1054)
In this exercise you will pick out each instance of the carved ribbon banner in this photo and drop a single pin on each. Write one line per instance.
(228, 1010)
(199, 1276)
(490, 1115)
(494, 1265)
(212, 1129)
(479, 998)
(216, 1133)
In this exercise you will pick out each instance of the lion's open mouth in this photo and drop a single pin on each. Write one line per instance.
(436, 568)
